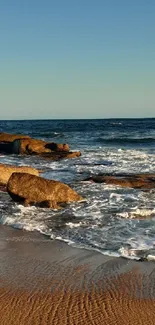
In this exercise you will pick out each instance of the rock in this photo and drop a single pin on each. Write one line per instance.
(7, 137)
(29, 146)
(139, 181)
(45, 149)
(61, 155)
(7, 170)
(71, 154)
(35, 146)
(30, 189)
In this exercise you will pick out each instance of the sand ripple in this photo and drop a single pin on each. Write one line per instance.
(45, 283)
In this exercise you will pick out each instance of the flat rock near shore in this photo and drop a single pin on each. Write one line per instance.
(139, 181)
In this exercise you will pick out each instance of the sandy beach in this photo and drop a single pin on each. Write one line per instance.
(48, 282)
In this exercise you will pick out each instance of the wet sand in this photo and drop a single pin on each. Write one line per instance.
(49, 282)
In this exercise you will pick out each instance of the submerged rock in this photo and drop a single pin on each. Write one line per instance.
(61, 155)
(139, 181)
(7, 170)
(29, 189)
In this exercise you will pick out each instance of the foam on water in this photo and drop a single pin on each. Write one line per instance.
(138, 213)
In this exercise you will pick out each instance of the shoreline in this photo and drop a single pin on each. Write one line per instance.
(44, 281)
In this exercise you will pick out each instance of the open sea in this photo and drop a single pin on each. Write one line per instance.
(108, 221)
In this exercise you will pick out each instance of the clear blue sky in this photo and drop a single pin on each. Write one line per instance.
(77, 58)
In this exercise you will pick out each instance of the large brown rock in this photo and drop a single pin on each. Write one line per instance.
(30, 189)
(7, 137)
(29, 146)
(36, 146)
(139, 181)
(7, 170)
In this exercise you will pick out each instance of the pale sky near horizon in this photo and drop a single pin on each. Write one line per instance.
(77, 59)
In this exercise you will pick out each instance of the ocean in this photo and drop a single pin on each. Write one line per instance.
(108, 221)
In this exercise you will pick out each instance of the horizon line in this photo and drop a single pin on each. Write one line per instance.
(98, 118)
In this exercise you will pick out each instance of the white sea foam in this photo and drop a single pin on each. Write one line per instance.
(128, 253)
(74, 225)
(136, 254)
(69, 242)
(150, 257)
(138, 213)
(24, 218)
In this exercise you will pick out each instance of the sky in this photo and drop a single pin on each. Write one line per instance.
(77, 59)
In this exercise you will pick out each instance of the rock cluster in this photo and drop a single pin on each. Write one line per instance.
(24, 145)
(23, 183)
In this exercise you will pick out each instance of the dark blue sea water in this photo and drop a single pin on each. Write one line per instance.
(108, 221)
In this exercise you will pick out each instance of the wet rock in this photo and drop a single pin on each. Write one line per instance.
(36, 146)
(70, 154)
(29, 189)
(29, 146)
(61, 155)
(45, 149)
(139, 181)
(7, 170)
